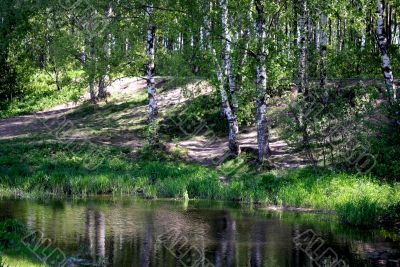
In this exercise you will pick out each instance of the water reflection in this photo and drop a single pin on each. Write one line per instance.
(132, 232)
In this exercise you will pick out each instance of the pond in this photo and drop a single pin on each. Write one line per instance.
(107, 231)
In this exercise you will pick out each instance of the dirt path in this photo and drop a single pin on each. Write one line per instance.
(122, 122)
(211, 152)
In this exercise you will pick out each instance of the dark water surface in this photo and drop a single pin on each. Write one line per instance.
(133, 232)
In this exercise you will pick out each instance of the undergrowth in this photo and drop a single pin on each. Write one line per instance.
(41, 93)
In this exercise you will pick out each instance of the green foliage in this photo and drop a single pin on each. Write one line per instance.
(386, 150)
(41, 93)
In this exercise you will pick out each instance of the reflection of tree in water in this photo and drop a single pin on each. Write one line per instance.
(89, 233)
(100, 224)
(296, 250)
(225, 253)
(147, 240)
(257, 243)
(95, 235)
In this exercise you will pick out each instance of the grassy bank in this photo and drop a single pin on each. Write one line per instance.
(49, 168)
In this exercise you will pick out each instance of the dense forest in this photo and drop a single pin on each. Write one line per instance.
(289, 104)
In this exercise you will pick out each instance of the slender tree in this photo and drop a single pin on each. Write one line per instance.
(226, 106)
(323, 43)
(383, 46)
(261, 84)
(91, 46)
(227, 68)
(302, 83)
(150, 71)
(105, 76)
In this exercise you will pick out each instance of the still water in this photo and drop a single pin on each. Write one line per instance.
(107, 231)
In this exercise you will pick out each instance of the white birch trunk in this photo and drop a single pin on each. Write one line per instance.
(261, 85)
(105, 77)
(302, 87)
(323, 51)
(383, 46)
(92, 56)
(233, 128)
(317, 36)
(227, 64)
(151, 90)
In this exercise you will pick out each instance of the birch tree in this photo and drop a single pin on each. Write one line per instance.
(105, 76)
(226, 106)
(323, 43)
(302, 85)
(261, 84)
(227, 68)
(150, 71)
(91, 47)
(383, 46)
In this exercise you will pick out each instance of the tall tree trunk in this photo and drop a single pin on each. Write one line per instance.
(302, 48)
(227, 67)
(323, 49)
(303, 81)
(105, 77)
(383, 46)
(261, 84)
(227, 110)
(93, 59)
(151, 90)
(226, 44)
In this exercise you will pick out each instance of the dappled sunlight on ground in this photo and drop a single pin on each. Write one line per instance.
(121, 121)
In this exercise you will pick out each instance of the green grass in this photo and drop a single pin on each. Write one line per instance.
(55, 169)
(15, 259)
(41, 93)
